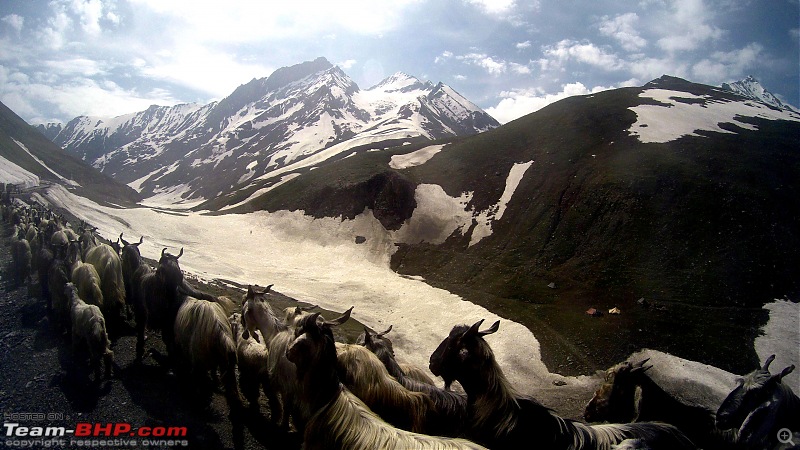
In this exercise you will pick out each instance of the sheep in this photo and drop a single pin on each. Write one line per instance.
(89, 327)
(340, 420)
(449, 412)
(500, 418)
(252, 357)
(759, 407)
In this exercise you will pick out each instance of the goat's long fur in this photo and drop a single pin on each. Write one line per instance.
(88, 326)
(501, 418)
(253, 361)
(365, 376)
(86, 279)
(347, 423)
(449, 413)
(341, 420)
(108, 265)
(204, 341)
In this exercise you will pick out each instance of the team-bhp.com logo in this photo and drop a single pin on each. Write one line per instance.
(89, 434)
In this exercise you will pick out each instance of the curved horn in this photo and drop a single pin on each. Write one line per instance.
(180, 254)
(268, 288)
(141, 239)
(124, 242)
(473, 329)
(307, 308)
(341, 319)
(493, 329)
(641, 364)
(387, 330)
(768, 362)
(163, 251)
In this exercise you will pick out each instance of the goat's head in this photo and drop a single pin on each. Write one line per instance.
(293, 314)
(256, 292)
(748, 401)
(313, 344)
(376, 342)
(462, 351)
(614, 400)
(169, 270)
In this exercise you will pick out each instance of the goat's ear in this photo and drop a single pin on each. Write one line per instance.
(341, 319)
(768, 362)
(493, 329)
(367, 336)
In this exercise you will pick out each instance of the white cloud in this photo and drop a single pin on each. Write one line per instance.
(523, 45)
(498, 7)
(723, 66)
(344, 65)
(443, 57)
(15, 21)
(586, 52)
(251, 21)
(202, 68)
(518, 103)
(486, 62)
(89, 12)
(493, 65)
(623, 29)
(686, 27)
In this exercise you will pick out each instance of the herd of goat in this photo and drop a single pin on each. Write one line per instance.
(358, 396)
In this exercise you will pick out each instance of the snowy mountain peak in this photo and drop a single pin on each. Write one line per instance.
(751, 88)
(401, 82)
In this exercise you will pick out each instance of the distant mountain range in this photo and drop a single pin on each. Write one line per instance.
(296, 119)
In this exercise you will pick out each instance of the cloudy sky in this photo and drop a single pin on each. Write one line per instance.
(64, 58)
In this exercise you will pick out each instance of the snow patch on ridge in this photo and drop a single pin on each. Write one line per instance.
(12, 173)
(416, 158)
(676, 118)
(485, 218)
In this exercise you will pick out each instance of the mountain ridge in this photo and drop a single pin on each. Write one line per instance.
(265, 125)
